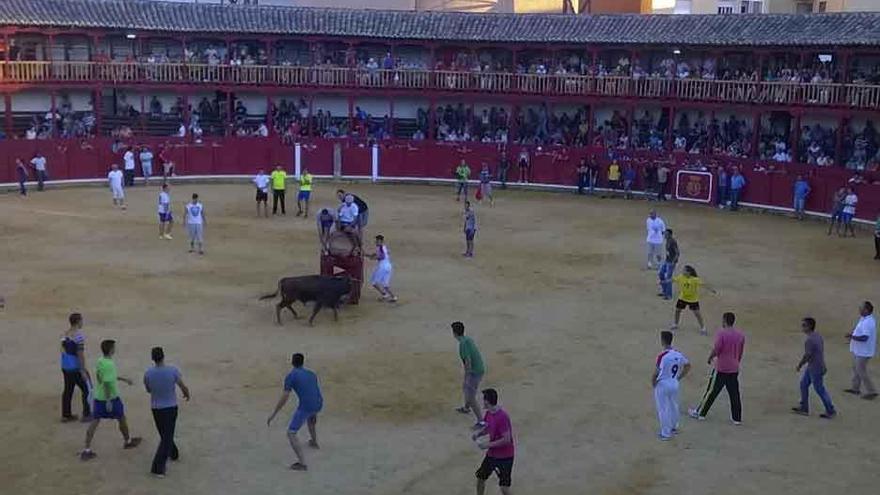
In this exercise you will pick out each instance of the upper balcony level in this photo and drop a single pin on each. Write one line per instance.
(827, 61)
(129, 74)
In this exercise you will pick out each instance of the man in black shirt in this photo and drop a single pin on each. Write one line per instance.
(667, 269)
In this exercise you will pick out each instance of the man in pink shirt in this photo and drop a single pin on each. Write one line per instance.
(499, 448)
(727, 353)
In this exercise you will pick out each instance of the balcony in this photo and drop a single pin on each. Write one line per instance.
(824, 95)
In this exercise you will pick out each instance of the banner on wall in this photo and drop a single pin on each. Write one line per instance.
(694, 185)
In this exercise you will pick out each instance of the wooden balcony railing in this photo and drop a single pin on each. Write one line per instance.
(780, 93)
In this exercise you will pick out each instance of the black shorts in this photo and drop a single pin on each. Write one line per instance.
(262, 196)
(693, 306)
(502, 467)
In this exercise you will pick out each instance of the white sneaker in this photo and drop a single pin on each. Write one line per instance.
(736, 423)
(703, 331)
(692, 412)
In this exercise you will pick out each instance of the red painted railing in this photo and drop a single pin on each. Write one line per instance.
(778, 93)
(552, 165)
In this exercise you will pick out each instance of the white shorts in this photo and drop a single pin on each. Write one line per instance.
(118, 192)
(196, 232)
(382, 276)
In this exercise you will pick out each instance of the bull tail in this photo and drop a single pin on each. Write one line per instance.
(272, 295)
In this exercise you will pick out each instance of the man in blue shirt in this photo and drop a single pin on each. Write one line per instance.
(737, 183)
(801, 191)
(722, 186)
(305, 383)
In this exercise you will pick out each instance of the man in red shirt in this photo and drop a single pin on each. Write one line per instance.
(499, 448)
(727, 353)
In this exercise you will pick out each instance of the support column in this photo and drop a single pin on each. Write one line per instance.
(229, 110)
(7, 106)
(6, 44)
(311, 123)
(432, 119)
(710, 142)
(97, 108)
(143, 115)
(591, 116)
(186, 112)
(756, 134)
(795, 136)
(270, 118)
(669, 127)
(53, 107)
(838, 145)
(513, 135)
(391, 123)
(351, 115)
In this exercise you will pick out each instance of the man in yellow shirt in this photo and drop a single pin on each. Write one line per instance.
(689, 284)
(614, 176)
(305, 192)
(279, 186)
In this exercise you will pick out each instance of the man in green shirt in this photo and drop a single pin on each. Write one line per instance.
(474, 369)
(108, 405)
(462, 173)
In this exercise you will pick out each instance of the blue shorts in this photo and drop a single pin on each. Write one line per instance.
(469, 234)
(300, 416)
(165, 217)
(304, 195)
(846, 217)
(100, 409)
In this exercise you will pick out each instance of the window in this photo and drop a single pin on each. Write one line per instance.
(752, 7)
(804, 8)
(823, 6)
(725, 10)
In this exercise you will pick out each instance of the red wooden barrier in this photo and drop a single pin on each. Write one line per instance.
(74, 159)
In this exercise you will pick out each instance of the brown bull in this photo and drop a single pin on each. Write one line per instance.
(320, 289)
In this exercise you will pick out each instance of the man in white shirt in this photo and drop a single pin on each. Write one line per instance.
(347, 215)
(115, 178)
(261, 181)
(849, 211)
(863, 345)
(39, 164)
(656, 227)
(671, 366)
(164, 209)
(128, 159)
(195, 224)
(262, 131)
(146, 157)
(181, 131)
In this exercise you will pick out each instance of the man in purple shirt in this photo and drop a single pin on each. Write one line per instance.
(814, 359)
(727, 353)
(499, 448)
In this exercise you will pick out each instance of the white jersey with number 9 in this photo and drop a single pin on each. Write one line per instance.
(670, 364)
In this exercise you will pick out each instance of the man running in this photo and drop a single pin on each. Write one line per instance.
(108, 404)
(21, 174)
(837, 210)
(474, 369)
(166, 220)
(689, 284)
(381, 278)
(115, 179)
(305, 192)
(667, 269)
(727, 353)
(279, 186)
(671, 366)
(863, 345)
(814, 359)
(160, 382)
(499, 447)
(261, 182)
(305, 383)
(195, 221)
(462, 174)
(73, 367)
(655, 227)
(470, 229)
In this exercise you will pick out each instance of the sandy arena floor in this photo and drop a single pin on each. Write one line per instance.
(556, 298)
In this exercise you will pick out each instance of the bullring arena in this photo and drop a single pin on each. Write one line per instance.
(556, 296)
(390, 105)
